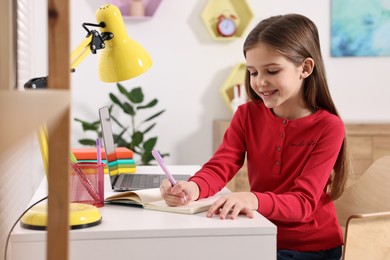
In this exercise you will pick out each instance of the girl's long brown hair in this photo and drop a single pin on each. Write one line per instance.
(296, 38)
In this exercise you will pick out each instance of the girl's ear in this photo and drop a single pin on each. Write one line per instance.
(307, 67)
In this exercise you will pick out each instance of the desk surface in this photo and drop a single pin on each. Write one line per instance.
(145, 228)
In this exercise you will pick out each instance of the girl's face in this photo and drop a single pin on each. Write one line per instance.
(278, 81)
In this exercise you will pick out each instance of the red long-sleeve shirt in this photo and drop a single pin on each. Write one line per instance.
(289, 163)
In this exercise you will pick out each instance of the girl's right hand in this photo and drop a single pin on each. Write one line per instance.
(181, 194)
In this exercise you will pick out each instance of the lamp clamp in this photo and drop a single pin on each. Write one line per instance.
(36, 83)
(98, 39)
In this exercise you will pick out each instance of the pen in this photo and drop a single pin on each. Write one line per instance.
(160, 162)
(100, 173)
(98, 152)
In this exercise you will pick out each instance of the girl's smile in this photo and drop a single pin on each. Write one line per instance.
(266, 96)
(268, 93)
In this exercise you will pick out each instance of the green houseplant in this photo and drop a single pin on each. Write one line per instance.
(132, 133)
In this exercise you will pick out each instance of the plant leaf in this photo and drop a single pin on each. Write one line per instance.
(94, 126)
(117, 122)
(123, 90)
(88, 142)
(154, 116)
(137, 138)
(118, 84)
(149, 128)
(150, 144)
(115, 100)
(128, 109)
(150, 104)
(121, 142)
(136, 95)
(118, 137)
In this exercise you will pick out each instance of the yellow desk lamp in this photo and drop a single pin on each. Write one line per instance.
(121, 59)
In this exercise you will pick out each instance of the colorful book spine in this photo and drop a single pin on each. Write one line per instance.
(90, 153)
(124, 163)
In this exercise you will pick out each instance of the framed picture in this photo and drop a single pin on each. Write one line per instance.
(360, 28)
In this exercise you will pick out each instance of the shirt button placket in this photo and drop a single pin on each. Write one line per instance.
(279, 148)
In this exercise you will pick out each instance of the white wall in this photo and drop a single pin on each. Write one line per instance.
(189, 68)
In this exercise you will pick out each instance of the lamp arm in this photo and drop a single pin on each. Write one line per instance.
(76, 57)
(81, 51)
(92, 42)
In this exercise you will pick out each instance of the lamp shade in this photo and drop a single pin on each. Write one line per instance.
(122, 58)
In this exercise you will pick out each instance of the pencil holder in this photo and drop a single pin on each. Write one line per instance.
(87, 183)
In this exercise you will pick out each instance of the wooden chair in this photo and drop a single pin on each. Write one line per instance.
(367, 236)
(364, 209)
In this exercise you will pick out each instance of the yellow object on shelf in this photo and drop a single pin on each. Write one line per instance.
(236, 77)
(80, 216)
(239, 9)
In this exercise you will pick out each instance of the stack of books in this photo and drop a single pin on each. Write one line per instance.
(123, 163)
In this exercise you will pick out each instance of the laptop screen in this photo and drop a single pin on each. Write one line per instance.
(108, 139)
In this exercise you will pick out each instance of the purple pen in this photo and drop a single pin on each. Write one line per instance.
(100, 171)
(160, 162)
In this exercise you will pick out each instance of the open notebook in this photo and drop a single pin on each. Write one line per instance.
(151, 199)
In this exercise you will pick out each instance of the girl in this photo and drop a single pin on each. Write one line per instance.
(293, 139)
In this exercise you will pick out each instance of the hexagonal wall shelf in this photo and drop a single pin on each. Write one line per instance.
(236, 77)
(125, 6)
(239, 9)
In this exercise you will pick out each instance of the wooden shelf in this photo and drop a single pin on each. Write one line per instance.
(238, 8)
(124, 6)
(236, 77)
(23, 112)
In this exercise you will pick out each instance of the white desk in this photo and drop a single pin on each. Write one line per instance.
(136, 233)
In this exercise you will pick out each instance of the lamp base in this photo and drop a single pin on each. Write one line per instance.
(80, 216)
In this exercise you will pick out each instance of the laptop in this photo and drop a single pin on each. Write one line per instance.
(126, 181)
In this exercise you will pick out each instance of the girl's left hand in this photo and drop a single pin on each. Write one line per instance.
(233, 204)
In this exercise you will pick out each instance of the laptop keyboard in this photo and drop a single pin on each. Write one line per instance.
(141, 181)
